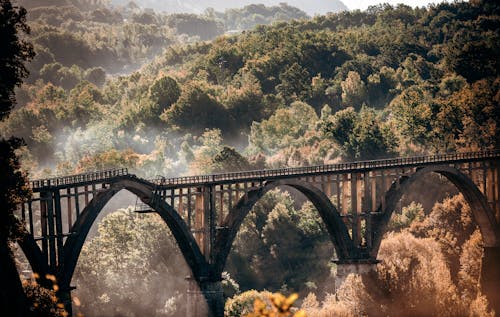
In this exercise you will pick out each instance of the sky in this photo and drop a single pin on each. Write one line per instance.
(363, 4)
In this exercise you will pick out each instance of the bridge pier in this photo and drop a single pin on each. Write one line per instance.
(360, 267)
(490, 277)
(64, 296)
(205, 298)
(214, 296)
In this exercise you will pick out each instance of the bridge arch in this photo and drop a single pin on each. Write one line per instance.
(144, 191)
(33, 254)
(336, 228)
(482, 213)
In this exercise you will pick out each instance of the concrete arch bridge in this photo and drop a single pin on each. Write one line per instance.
(204, 213)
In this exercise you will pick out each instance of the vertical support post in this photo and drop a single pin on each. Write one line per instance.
(326, 186)
(180, 209)
(30, 215)
(211, 224)
(86, 191)
(490, 276)
(70, 209)
(199, 218)
(59, 229)
(490, 187)
(64, 296)
(77, 202)
(221, 199)
(172, 198)
(215, 297)
(230, 196)
(337, 187)
(189, 208)
(374, 189)
(43, 225)
(51, 225)
(484, 182)
(384, 189)
(205, 220)
(367, 208)
(354, 207)
(345, 194)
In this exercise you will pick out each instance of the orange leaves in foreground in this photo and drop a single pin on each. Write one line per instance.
(281, 307)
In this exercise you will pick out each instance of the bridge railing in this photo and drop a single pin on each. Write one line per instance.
(262, 174)
(270, 173)
(78, 178)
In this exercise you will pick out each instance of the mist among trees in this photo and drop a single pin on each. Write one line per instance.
(175, 94)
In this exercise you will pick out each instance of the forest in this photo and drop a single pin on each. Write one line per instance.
(255, 88)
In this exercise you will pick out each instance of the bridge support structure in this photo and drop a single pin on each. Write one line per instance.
(204, 213)
(490, 276)
(360, 267)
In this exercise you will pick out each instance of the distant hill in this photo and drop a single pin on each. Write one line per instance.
(311, 7)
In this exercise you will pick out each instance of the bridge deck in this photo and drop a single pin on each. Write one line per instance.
(259, 175)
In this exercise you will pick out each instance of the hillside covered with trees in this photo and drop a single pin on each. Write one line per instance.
(388, 81)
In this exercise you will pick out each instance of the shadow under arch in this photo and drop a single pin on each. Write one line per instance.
(482, 213)
(144, 190)
(336, 228)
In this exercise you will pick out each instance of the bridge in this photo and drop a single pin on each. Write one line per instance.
(204, 213)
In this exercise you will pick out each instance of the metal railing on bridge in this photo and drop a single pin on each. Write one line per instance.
(256, 175)
(318, 169)
(79, 178)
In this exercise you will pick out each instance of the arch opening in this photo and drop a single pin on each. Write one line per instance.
(130, 263)
(482, 214)
(281, 244)
(441, 252)
(318, 204)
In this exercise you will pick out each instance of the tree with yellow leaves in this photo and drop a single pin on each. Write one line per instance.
(280, 307)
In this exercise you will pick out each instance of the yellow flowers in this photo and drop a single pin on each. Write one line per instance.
(281, 307)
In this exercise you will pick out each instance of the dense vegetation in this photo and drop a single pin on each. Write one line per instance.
(354, 85)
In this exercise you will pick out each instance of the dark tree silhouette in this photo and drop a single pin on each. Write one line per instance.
(13, 54)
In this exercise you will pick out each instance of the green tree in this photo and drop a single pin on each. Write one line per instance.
(285, 128)
(273, 235)
(164, 92)
(295, 83)
(195, 110)
(229, 160)
(125, 267)
(353, 90)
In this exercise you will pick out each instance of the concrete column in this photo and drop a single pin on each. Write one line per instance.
(64, 296)
(214, 296)
(204, 299)
(344, 269)
(490, 277)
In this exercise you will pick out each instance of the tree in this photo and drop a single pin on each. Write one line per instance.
(353, 90)
(164, 92)
(295, 82)
(125, 267)
(13, 188)
(13, 54)
(285, 128)
(267, 252)
(229, 160)
(195, 110)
